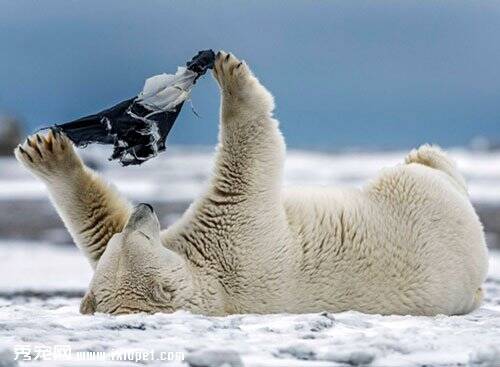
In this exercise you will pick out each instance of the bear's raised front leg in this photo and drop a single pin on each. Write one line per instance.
(251, 148)
(91, 210)
(248, 169)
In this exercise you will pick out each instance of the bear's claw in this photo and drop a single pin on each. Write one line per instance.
(25, 153)
(230, 74)
(48, 155)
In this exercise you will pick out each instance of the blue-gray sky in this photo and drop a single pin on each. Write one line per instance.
(344, 73)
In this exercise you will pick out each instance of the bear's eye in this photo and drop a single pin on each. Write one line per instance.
(144, 234)
(163, 293)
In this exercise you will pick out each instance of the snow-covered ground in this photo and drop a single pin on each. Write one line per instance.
(41, 286)
(180, 173)
(39, 326)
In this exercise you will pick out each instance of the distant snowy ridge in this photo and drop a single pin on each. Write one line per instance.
(181, 172)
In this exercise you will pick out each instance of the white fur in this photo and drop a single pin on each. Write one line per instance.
(407, 243)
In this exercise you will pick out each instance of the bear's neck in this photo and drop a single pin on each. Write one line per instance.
(205, 295)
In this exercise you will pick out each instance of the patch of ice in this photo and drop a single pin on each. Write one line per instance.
(360, 357)
(488, 356)
(7, 357)
(214, 358)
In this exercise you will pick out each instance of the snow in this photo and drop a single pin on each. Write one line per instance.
(41, 286)
(42, 268)
(320, 339)
(180, 174)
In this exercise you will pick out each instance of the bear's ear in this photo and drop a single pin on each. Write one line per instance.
(87, 306)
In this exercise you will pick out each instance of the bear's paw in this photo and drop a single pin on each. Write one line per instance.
(48, 155)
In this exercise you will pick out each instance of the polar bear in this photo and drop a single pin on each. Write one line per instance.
(409, 242)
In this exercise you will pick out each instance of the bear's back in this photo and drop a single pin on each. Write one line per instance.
(390, 248)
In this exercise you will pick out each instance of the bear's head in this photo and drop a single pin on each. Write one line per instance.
(136, 273)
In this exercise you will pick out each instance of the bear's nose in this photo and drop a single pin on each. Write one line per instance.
(149, 206)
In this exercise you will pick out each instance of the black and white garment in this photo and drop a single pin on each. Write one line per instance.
(138, 127)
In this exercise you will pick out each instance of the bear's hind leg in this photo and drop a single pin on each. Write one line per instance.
(91, 210)
(435, 157)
